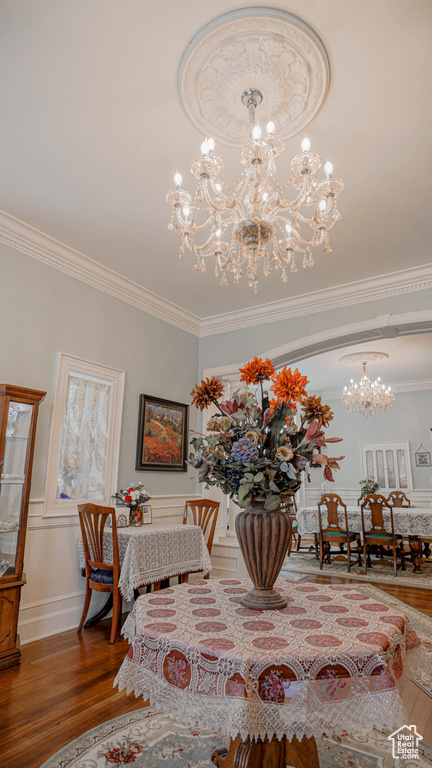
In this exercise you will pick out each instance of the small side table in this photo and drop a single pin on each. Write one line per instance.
(270, 680)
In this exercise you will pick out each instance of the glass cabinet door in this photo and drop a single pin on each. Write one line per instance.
(12, 481)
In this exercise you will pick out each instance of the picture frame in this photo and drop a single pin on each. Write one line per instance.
(423, 459)
(162, 435)
(146, 514)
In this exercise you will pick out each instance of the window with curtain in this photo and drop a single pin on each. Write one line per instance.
(85, 436)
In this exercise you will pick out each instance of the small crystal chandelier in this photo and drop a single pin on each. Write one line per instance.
(367, 396)
(253, 221)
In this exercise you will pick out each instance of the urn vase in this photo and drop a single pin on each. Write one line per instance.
(263, 537)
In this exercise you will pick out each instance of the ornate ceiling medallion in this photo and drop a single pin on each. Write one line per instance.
(265, 49)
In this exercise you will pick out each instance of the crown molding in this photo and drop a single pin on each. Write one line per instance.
(397, 388)
(369, 289)
(19, 235)
(22, 237)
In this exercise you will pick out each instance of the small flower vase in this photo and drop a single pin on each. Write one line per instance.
(263, 537)
(136, 516)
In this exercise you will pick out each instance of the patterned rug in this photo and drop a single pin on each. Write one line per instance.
(382, 570)
(148, 739)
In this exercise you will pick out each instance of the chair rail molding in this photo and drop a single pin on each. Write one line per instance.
(46, 249)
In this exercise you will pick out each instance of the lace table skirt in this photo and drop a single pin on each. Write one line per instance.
(154, 552)
(329, 662)
(407, 522)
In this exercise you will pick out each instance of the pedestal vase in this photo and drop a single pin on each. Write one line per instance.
(263, 537)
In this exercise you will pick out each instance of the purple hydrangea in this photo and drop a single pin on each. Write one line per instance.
(244, 450)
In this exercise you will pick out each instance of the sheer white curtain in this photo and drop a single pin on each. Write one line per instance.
(83, 456)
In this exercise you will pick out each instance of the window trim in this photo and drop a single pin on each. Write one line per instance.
(67, 364)
(393, 446)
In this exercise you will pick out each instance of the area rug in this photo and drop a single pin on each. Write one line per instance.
(306, 563)
(148, 739)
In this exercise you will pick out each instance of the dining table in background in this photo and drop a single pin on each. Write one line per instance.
(331, 661)
(154, 552)
(413, 523)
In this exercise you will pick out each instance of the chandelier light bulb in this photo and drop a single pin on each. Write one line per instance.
(178, 179)
(256, 132)
(211, 144)
(288, 228)
(322, 205)
(218, 233)
(186, 211)
(328, 169)
(305, 145)
(205, 149)
(270, 128)
(218, 187)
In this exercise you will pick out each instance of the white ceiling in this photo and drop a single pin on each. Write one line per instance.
(409, 361)
(92, 130)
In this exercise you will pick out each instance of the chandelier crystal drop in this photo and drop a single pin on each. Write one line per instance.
(253, 221)
(366, 396)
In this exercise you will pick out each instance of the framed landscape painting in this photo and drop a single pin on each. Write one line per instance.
(162, 435)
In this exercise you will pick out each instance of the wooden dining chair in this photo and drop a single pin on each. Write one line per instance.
(398, 499)
(290, 507)
(204, 513)
(100, 575)
(377, 535)
(333, 532)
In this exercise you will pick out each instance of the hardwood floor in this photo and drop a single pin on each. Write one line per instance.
(64, 687)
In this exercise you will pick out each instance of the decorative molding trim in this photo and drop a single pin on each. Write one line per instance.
(397, 388)
(370, 289)
(267, 49)
(380, 327)
(22, 237)
(19, 235)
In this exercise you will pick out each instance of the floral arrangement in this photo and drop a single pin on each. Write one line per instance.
(368, 486)
(133, 496)
(254, 448)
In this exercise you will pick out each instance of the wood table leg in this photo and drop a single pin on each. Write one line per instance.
(268, 754)
(415, 546)
(104, 611)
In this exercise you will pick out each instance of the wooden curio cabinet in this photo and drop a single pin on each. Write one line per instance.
(18, 416)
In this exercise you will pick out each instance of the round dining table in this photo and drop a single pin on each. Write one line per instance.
(330, 662)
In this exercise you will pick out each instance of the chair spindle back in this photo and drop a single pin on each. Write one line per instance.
(93, 520)
(204, 513)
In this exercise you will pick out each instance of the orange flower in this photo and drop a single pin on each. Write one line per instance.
(289, 386)
(257, 370)
(209, 391)
(315, 410)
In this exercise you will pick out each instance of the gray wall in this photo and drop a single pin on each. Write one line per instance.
(44, 312)
(408, 419)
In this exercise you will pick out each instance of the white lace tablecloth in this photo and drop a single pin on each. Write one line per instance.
(153, 552)
(328, 662)
(407, 522)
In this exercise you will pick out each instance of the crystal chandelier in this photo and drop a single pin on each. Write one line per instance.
(366, 396)
(252, 220)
